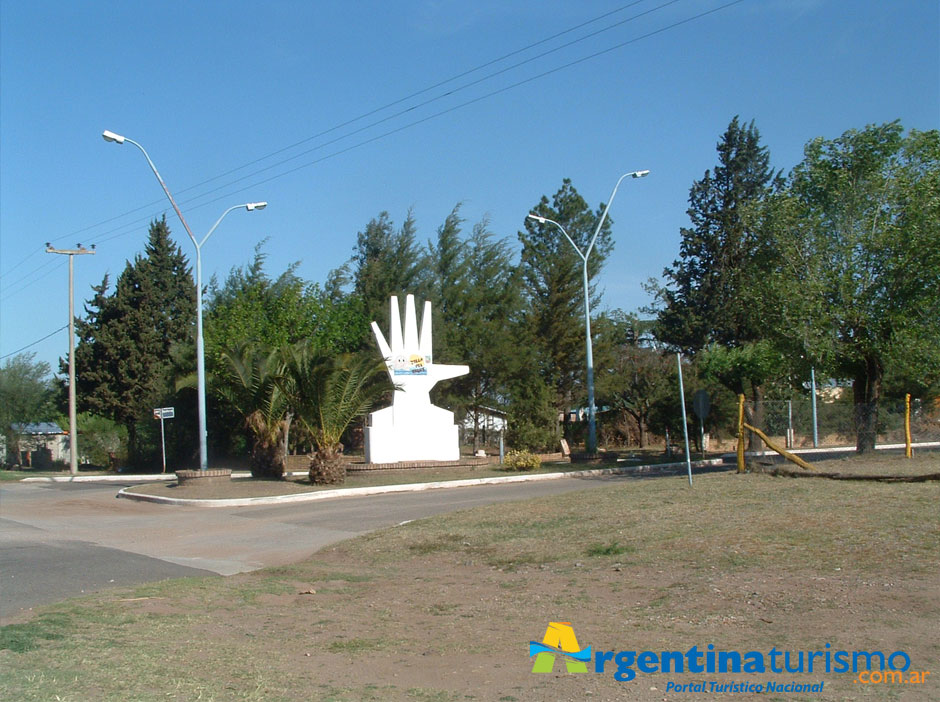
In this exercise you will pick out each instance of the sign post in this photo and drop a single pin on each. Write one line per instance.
(162, 413)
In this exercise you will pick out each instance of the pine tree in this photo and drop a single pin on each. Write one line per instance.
(705, 298)
(552, 278)
(386, 262)
(477, 303)
(126, 341)
(708, 301)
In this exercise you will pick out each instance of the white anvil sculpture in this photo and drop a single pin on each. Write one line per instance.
(412, 429)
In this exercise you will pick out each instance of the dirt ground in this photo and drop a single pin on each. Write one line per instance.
(444, 609)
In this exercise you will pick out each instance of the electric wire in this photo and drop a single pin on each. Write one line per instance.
(469, 102)
(130, 227)
(429, 101)
(348, 122)
(38, 341)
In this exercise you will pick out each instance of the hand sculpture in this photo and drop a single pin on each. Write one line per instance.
(412, 429)
(409, 360)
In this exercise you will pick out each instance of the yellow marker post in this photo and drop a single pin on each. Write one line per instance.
(908, 449)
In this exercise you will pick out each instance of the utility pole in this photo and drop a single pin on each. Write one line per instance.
(73, 425)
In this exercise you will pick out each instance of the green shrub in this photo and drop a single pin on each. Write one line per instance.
(522, 460)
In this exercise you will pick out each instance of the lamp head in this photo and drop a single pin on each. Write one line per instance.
(537, 218)
(255, 206)
(640, 174)
(111, 136)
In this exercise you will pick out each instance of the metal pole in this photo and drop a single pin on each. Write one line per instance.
(200, 355)
(790, 437)
(592, 415)
(201, 367)
(200, 361)
(200, 342)
(162, 441)
(73, 420)
(685, 426)
(812, 380)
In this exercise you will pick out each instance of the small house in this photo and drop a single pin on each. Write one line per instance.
(39, 445)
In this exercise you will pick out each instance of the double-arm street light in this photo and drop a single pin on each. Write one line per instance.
(592, 421)
(200, 348)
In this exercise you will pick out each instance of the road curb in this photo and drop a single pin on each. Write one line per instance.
(413, 487)
(128, 478)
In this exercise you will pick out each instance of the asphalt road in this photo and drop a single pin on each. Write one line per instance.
(62, 540)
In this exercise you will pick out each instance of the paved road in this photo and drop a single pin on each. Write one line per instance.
(62, 540)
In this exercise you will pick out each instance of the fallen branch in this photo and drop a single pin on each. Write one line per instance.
(783, 472)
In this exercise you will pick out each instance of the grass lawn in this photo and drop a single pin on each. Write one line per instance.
(444, 608)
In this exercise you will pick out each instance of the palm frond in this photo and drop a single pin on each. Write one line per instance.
(328, 392)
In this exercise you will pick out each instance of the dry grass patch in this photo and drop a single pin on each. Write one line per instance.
(443, 609)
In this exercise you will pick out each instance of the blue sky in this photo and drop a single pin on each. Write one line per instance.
(209, 87)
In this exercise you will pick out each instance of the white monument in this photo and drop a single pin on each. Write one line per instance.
(412, 429)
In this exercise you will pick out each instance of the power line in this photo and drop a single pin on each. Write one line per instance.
(346, 123)
(21, 281)
(466, 103)
(34, 343)
(191, 201)
(427, 102)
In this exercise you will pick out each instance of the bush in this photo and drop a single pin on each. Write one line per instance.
(102, 442)
(522, 460)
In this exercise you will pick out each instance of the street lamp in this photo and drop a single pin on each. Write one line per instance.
(200, 347)
(592, 421)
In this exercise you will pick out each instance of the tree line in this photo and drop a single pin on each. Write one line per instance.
(834, 266)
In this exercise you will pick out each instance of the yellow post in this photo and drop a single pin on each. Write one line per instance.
(908, 449)
(740, 433)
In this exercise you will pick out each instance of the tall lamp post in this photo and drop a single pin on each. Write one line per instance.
(592, 420)
(200, 347)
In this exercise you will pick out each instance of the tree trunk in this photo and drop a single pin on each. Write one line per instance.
(476, 429)
(285, 442)
(269, 455)
(754, 442)
(639, 419)
(133, 453)
(866, 391)
(327, 466)
(268, 460)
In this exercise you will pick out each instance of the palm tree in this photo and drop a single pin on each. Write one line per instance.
(327, 392)
(248, 384)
